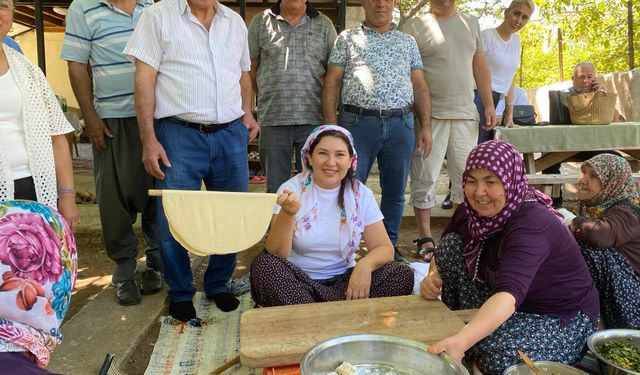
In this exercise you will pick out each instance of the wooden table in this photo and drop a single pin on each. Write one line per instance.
(561, 142)
(276, 336)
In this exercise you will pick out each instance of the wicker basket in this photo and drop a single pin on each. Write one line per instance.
(592, 108)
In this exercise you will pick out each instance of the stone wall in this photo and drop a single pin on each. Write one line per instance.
(625, 84)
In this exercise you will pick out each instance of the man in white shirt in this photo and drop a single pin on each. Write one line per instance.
(193, 93)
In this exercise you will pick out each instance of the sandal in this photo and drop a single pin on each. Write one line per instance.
(425, 254)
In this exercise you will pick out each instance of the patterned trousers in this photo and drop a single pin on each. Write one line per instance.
(541, 337)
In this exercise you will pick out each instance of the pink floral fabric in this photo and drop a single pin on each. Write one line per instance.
(38, 266)
(351, 225)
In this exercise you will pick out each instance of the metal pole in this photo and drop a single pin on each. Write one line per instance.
(630, 33)
(243, 9)
(560, 64)
(342, 15)
(40, 36)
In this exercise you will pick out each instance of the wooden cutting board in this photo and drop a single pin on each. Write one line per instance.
(276, 336)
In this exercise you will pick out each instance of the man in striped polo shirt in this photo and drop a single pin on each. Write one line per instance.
(96, 34)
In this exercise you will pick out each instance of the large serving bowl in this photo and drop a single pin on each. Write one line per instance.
(630, 336)
(378, 355)
(547, 367)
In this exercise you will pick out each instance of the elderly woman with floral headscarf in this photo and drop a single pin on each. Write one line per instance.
(507, 253)
(320, 217)
(608, 229)
(38, 264)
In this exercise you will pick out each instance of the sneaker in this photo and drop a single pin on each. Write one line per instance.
(127, 293)
(240, 285)
(446, 203)
(151, 282)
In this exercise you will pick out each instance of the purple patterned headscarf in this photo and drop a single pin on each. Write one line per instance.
(503, 160)
(351, 225)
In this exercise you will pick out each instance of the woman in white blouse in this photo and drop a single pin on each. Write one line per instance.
(502, 47)
(35, 162)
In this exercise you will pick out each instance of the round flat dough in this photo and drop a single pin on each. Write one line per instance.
(214, 222)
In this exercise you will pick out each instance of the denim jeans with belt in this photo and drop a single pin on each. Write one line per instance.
(219, 159)
(391, 141)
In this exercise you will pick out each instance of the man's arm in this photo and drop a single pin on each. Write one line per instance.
(482, 76)
(81, 85)
(422, 108)
(152, 150)
(331, 92)
(247, 119)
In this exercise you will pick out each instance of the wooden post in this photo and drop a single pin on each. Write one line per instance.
(630, 33)
(521, 63)
(39, 22)
(560, 64)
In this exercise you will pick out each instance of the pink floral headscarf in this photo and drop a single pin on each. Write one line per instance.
(503, 160)
(38, 265)
(351, 225)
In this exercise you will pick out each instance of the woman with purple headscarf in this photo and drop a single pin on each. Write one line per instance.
(608, 229)
(320, 217)
(507, 253)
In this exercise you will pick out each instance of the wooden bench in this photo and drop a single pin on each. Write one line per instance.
(552, 183)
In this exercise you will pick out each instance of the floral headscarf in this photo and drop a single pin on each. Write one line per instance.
(38, 264)
(614, 173)
(351, 226)
(503, 160)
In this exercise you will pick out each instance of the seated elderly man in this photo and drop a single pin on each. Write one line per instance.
(584, 80)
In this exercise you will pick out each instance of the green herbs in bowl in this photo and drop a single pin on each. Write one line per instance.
(620, 353)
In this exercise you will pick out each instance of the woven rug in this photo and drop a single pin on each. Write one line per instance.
(182, 349)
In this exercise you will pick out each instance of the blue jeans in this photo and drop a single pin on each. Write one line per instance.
(391, 141)
(485, 135)
(218, 159)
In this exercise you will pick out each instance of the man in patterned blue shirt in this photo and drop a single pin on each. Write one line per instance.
(380, 72)
(96, 34)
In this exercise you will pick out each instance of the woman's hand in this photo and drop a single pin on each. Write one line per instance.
(431, 286)
(454, 345)
(69, 210)
(289, 202)
(360, 280)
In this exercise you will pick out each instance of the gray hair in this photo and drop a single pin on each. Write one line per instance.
(528, 3)
(583, 65)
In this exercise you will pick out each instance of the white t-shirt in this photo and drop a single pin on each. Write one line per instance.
(316, 250)
(503, 59)
(11, 128)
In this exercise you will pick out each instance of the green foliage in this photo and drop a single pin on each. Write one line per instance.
(592, 30)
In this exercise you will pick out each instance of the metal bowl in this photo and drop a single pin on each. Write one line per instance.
(547, 367)
(630, 336)
(378, 355)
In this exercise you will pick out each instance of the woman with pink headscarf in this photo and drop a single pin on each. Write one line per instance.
(507, 253)
(38, 265)
(320, 218)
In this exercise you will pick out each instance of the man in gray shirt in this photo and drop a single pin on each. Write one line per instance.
(289, 45)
